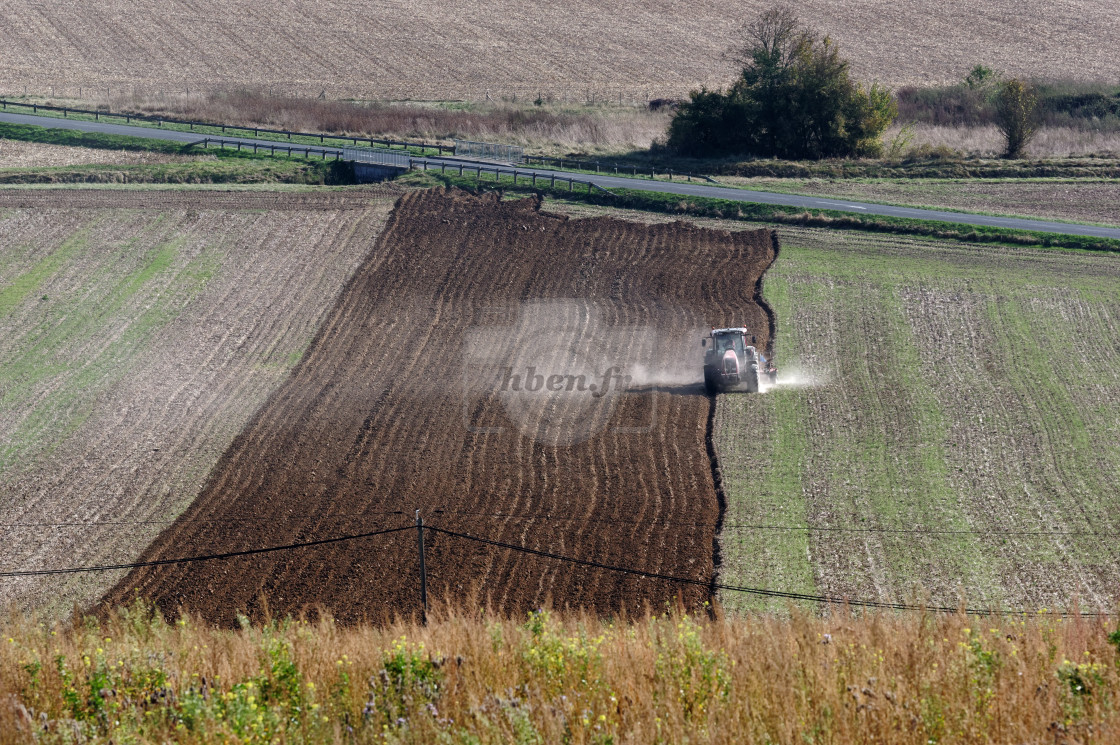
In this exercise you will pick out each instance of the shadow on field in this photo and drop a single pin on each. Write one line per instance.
(673, 389)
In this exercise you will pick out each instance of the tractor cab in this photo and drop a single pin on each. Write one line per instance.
(731, 361)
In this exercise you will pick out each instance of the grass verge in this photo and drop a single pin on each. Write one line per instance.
(735, 210)
(224, 166)
(75, 138)
(1074, 201)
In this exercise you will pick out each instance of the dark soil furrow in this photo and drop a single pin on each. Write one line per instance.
(397, 405)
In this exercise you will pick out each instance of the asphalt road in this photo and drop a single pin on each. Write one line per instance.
(616, 182)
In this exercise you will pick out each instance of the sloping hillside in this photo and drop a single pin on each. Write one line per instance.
(441, 50)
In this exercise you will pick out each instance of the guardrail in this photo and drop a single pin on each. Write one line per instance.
(271, 148)
(531, 176)
(617, 169)
(398, 159)
(489, 151)
(373, 156)
(257, 131)
(392, 158)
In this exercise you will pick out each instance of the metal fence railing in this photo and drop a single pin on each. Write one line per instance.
(272, 148)
(618, 169)
(530, 177)
(394, 158)
(489, 151)
(226, 129)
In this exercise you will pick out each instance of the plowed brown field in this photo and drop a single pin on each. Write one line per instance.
(399, 404)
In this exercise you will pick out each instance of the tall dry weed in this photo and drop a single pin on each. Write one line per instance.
(544, 127)
(476, 677)
(985, 140)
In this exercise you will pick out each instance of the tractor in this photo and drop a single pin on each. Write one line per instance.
(733, 364)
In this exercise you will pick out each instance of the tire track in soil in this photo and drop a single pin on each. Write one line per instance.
(371, 421)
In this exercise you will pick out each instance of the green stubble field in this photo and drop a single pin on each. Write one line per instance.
(948, 432)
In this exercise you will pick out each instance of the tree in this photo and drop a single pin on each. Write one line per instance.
(1016, 116)
(794, 99)
(980, 76)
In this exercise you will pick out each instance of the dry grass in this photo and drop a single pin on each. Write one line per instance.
(545, 128)
(483, 679)
(424, 49)
(17, 154)
(987, 141)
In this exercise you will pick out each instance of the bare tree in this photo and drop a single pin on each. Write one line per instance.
(1016, 108)
(771, 39)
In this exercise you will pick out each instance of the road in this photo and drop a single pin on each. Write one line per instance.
(617, 182)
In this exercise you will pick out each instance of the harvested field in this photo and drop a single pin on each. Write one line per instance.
(949, 425)
(1079, 201)
(17, 154)
(962, 440)
(139, 331)
(439, 50)
(405, 401)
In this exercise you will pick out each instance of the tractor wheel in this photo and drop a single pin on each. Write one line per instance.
(710, 383)
(751, 379)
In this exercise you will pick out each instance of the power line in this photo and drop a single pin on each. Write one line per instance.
(711, 585)
(168, 521)
(821, 599)
(206, 557)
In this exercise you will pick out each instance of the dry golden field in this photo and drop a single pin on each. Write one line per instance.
(439, 50)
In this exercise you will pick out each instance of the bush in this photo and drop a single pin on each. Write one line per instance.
(795, 99)
(1016, 106)
(972, 102)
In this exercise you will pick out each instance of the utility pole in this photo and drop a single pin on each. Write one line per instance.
(423, 571)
